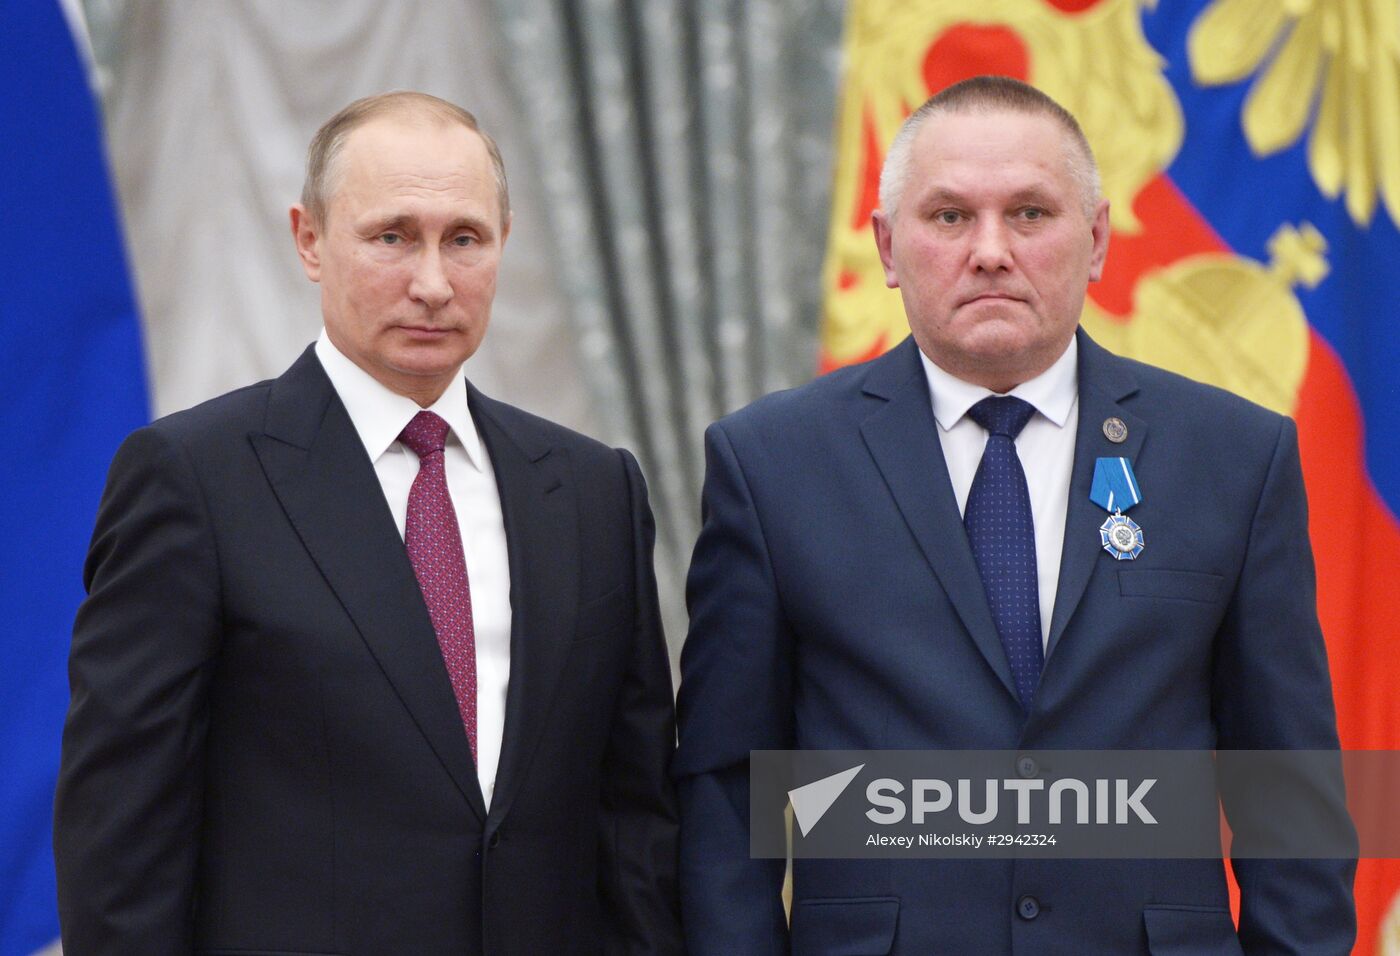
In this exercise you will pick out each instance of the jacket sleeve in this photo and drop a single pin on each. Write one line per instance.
(128, 803)
(638, 810)
(735, 696)
(1272, 691)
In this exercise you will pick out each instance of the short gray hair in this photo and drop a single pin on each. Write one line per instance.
(330, 139)
(987, 94)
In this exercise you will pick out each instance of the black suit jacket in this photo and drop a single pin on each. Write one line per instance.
(263, 752)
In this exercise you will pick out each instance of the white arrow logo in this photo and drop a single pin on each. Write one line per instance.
(810, 802)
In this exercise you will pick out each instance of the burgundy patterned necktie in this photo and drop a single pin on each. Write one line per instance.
(434, 544)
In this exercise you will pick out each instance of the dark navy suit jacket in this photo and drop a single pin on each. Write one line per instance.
(835, 604)
(263, 752)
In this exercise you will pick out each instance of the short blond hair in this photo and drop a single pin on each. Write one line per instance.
(330, 139)
(988, 94)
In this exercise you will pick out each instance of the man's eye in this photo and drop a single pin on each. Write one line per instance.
(1032, 213)
(463, 240)
(390, 239)
(949, 217)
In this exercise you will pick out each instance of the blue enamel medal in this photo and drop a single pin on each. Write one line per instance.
(1115, 489)
(1122, 537)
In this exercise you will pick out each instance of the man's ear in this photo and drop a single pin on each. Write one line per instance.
(884, 237)
(306, 233)
(1099, 229)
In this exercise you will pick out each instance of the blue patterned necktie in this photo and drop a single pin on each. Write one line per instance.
(1002, 535)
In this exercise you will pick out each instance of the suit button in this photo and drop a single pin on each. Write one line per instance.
(495, 840)
(1028, 907)
(1026, 766)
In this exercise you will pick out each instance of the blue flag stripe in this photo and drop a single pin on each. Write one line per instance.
(74, 385)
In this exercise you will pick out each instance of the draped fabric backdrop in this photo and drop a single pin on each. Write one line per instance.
(685, 157)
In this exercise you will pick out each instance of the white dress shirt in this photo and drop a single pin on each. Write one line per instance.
(379, 415)
(1045, 447)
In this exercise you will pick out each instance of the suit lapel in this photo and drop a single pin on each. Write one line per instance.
(902, 437)
(1104, 381)
(318, 468)
(540, 509)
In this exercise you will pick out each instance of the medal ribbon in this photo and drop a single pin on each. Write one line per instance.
(1115, 487)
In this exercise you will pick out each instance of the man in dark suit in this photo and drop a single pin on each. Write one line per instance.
(371, 663)
(845, 593)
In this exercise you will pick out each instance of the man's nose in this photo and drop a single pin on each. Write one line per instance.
(429, 284)
(991, 246)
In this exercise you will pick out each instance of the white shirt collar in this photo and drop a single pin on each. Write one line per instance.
(379, 415)
(1053, 392)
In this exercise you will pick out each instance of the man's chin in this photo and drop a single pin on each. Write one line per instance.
(424, 364)
(996, 355)
(427, 367)
(998, 338)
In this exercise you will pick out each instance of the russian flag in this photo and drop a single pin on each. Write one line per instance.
(73, 386)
